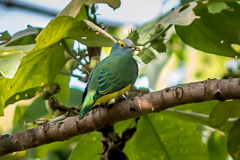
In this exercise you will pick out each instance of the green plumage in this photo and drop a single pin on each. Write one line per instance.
(112, 74)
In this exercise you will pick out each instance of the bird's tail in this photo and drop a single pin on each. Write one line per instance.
(86, 106)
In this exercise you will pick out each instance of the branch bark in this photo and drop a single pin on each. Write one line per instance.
(135, 107)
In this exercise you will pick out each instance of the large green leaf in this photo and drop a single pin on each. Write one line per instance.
(10, 58)
(202, 107)
(75, 98)
(234, 141)
(63, 81)
(216, 30)
(162, 136)
(122, 126)
(88, 147)
(28, 114)
(36, 70)
(84, 31)
(199, 113)
(223, 111)
(61, 149)
(74, 7)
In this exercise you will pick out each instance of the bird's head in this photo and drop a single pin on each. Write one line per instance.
(124, 46)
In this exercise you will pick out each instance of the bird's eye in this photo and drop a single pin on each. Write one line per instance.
(121, 45)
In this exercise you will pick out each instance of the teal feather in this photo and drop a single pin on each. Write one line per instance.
(112, 74)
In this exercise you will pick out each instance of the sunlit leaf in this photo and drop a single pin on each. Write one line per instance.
(162, 136)
(84, 31)
(14, 156)
(88, 147)
(74, 7)
(234, 141)
(10, 58)
(213, 33)
(36, 70)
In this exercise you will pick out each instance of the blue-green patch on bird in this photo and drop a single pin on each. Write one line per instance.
(114, 75)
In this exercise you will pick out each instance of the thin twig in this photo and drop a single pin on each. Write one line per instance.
(70, 74)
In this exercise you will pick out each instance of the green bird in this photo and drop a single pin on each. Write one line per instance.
(113, 76)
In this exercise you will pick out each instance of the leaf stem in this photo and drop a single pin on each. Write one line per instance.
(71, 54)
(160, 33)
(70, 74)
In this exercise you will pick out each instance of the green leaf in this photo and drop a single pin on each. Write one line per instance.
(74, 7)
(75, 98)
(202, 107)
(157, 38)
(37, 69)
(121, 126)
(63, 81)
(217, 146)
(84, 31)
(234, 141)
(28, 114)
(158, 44)
(88, 147)
(162, 136)
(64, 147)
(24, 37)
(213, 33)
(10, 58)
(147, 55)
(199, 113)
(223, 111)
(134, 36)
(4, 37)
(193, 117)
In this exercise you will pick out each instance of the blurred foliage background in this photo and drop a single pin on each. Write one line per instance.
(201, 42)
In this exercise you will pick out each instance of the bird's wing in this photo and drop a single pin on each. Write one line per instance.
(109, 82)
(117, 73)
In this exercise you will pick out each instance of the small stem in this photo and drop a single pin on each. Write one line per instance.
(193, 114)
(63, 42)
(154, 37)
(69, 74)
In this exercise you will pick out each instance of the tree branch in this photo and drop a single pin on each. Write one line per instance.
(135, 107)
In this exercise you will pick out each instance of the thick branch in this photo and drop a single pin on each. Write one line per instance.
(102, 117)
